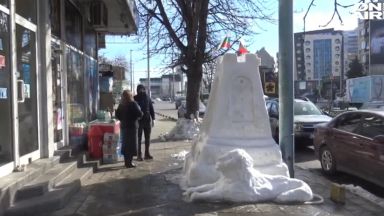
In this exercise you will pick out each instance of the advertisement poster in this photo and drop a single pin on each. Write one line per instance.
(3, 93)
(377, 42)
(2, 61)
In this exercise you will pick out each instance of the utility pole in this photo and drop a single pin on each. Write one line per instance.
(173, 83)
(286, 136)
(131, 69)
(148, 59)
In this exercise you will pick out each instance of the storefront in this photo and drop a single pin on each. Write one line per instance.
(48, 71)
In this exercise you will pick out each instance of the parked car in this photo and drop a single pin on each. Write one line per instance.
(353, 142)
(306, 116)
(183, 109)
(178, 101)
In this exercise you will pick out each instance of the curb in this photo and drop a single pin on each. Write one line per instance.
(166, 116)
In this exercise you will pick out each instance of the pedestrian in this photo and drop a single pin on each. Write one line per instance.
(146, 122)
(128, 112)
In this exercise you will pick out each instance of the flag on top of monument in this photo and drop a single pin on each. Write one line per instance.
(225, 43)
(242, 50)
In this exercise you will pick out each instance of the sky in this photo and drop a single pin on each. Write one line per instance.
(267, 37)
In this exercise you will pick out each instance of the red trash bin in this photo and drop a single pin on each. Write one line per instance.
(95, 142)
(96, 135)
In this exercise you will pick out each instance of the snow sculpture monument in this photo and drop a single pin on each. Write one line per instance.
(236, 118)
(240, 182)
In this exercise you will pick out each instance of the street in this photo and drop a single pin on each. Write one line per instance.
(304, 157)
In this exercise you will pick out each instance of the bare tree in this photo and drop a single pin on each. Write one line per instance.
(336, 7)
(192, 29)
(208, 74)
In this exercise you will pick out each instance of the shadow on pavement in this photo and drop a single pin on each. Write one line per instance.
(147, 195)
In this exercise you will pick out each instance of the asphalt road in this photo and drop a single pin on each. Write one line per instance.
(304, 157)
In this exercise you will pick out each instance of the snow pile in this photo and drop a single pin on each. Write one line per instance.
(240, 182)
(365, 194)
(180, 156)
(185, 129)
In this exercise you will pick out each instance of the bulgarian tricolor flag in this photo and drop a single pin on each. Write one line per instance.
(225, 44)
(242, 50)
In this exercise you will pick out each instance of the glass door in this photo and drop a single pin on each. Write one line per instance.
(27, 82)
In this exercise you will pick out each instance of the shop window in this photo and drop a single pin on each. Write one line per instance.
(55, 17)
(73, 25)
(90, 41)
(27, 9)
(6, 154)
(93, 87)
(4, 3)
(75, 94)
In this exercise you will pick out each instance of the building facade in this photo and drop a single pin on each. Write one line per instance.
(351, 48)
(48, 71)
(318, 56)
(371, 46)
(168, 85)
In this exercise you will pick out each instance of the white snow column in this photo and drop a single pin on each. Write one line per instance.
(240, 182)
(236, 117)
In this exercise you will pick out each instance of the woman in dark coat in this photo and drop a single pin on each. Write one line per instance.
(128, 113)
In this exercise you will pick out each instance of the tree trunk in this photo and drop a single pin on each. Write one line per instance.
(193, 90)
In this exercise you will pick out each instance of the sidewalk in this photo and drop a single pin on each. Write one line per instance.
(152, 189)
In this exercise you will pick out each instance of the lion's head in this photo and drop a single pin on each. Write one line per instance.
(237, 160)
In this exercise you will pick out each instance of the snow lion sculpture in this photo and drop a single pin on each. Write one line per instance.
(240, 182)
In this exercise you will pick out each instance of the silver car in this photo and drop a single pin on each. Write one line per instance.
(306, 116)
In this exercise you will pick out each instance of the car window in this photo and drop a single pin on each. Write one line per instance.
(372, 126)
(348, 122)
(305, 108)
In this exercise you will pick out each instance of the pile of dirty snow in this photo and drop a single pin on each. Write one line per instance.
(365, 194)
(180, 156)
(185, 129)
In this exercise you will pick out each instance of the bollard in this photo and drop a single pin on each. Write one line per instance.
(338, 193)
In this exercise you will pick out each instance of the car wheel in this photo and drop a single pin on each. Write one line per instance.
(327, 160)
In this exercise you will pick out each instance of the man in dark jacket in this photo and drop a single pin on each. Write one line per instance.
(146, 122)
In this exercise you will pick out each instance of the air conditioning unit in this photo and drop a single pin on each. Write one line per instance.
(99, 15)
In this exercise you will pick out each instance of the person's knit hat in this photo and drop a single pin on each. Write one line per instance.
(140, 87)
